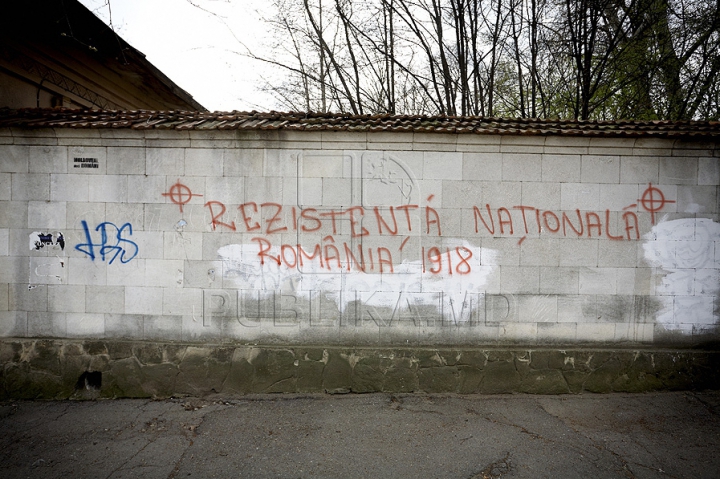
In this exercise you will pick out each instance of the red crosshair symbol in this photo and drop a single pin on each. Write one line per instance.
(653, 200)
(180, 194)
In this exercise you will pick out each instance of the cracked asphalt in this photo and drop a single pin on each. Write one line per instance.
(657, 435)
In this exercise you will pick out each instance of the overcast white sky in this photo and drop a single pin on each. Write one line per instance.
(195, 48)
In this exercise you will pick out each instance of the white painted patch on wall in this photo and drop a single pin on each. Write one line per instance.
(688, 250)
(242, 265)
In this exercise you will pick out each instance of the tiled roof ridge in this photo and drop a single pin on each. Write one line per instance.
(315, 121)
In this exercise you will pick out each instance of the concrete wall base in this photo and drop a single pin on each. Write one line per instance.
(61, 369)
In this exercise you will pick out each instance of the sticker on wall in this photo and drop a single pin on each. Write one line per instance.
(40, 240)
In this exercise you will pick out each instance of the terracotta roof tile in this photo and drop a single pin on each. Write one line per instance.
(192, 120)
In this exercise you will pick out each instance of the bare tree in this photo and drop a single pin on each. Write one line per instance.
(587, 59)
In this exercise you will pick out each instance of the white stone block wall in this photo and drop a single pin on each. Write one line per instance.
(381, 238)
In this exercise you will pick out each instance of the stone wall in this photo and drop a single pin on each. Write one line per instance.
(357, 239)
(58, 369)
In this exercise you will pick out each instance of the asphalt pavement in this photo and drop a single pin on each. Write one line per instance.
(654, 435)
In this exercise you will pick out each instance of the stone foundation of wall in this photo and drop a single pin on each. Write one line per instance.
(61, 369)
